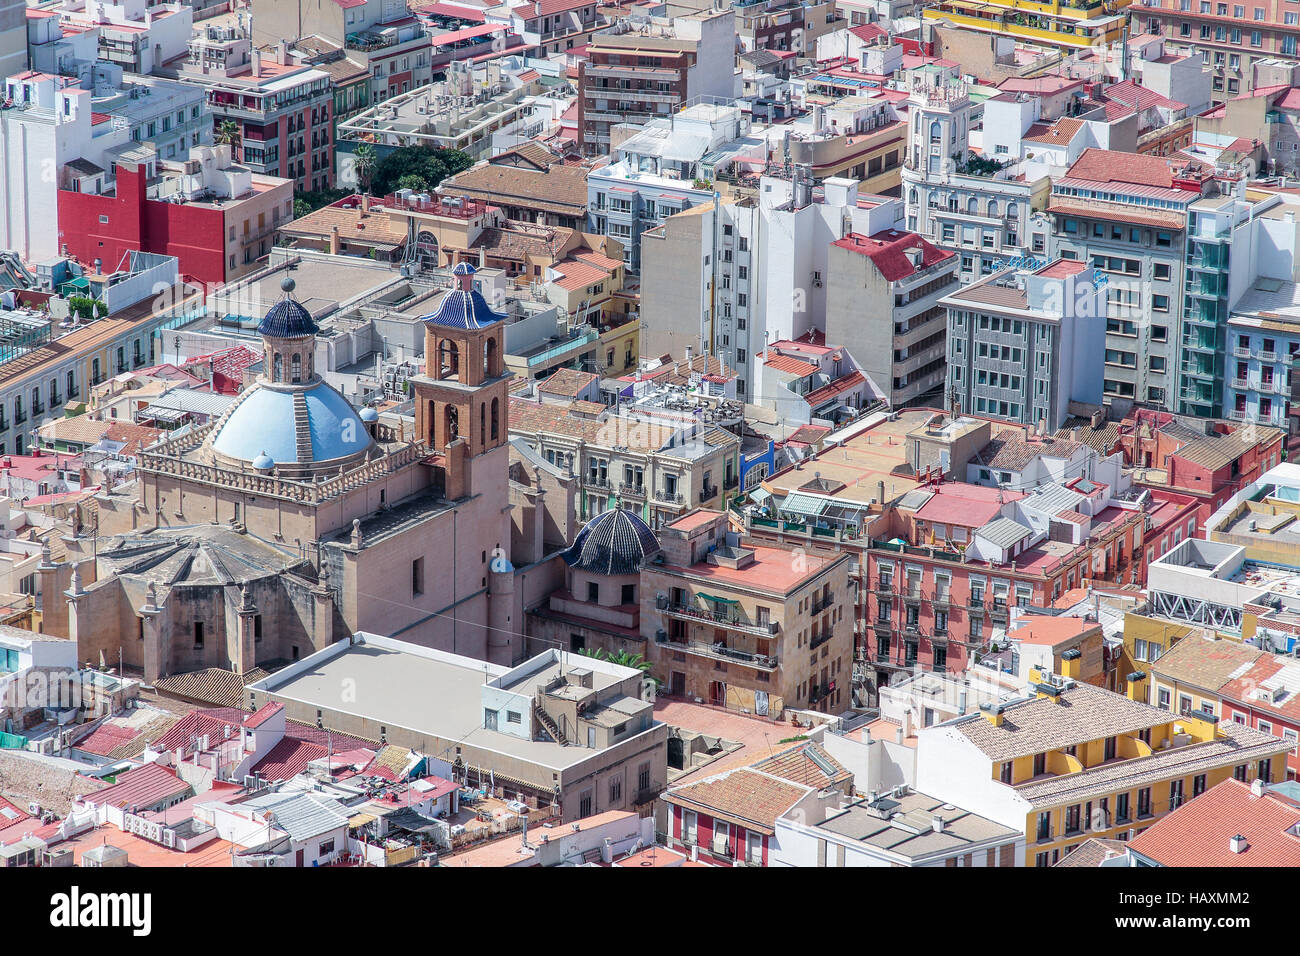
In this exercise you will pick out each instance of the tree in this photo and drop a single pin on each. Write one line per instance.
(228, 134)
(622, 659)
(413, 182)
(305, 202)
(427, 162)
(363, 165)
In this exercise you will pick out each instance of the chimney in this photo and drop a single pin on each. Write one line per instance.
(1258, 787)
(284, 53)
(993, 713)
(1137, 687)
(257, 62)
(1237, 844)
(936, 823)
(365, 204)
(334, 240)
(689, 354)
(1071, 663)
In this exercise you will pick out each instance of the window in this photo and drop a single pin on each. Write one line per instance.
(1005, 774)
(1044, 828)
(593, 592)
(1144, 802)
(1121, 808)
(417, 577)
(616, 791)
(1040, 764)
(198, 635)
(1198, 784)
(629, 594)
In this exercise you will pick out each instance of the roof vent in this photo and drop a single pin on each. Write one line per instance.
(1237, 844)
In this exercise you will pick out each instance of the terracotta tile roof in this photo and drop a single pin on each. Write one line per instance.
(142, 787)
(744, 796)
(353, 225)
(288, 758)
(888, 251)
(1207, 664)
(809, 434)
(213, 722)
(1199, 833)
(790, 365)
(1136, 169)
(1083, 713)
(263, 714)
(808, 765)
(1139, 97)
(568, 382)
(1092, 852)
(213, 685)
(838, 387)
(1268, 672)
(1010, 450)
(556, 188)
(1059, 133)
(576, 274)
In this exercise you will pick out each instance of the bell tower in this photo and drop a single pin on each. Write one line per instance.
(460, 400)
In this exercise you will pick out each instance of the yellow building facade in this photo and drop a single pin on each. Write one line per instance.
(1063, 26)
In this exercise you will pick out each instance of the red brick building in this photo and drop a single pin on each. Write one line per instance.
(215, 239)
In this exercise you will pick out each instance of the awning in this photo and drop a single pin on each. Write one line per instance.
(801, 504)
(360, 820)
(720, 600)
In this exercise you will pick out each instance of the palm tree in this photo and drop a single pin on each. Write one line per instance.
(363, 165)
(228, 134)
(623, 659)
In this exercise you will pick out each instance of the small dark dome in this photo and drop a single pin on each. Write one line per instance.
(287, 319)
(616, 542)
(463, 269)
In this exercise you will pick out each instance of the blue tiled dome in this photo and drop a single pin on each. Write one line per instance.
(369, 414)
(616, 542)
(463, 310)
(287, 319)
(263, 462)
(262, 427)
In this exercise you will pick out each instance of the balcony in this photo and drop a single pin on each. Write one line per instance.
(913, 595)
(669, 498)
(708, 493)
(822, 603)
(941, 600)
(883, 586)
(721, 652)
(691, 612)
(634, 491)
(601, 484)
(820, 639)
(975, 603)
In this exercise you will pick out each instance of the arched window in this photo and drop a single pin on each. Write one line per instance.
(993, 208)
(278, 374)
(496, 418)
(453, 423)
(913, 197)
(1013, 211)
(295, 365)
(482, 423)
(936, 132)
(448, 359)
(972, 206)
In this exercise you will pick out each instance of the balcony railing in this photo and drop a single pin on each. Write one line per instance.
(594, 482)
(732, 621)
(822, 603)
(707, 493)
(669, 497)
(636, 491)
(723, 653)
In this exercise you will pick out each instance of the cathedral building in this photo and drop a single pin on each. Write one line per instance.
(294, 520)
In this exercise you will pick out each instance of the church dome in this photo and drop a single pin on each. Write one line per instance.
(464, 306)
(616, 542)
(272, 423)
(287, 319)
